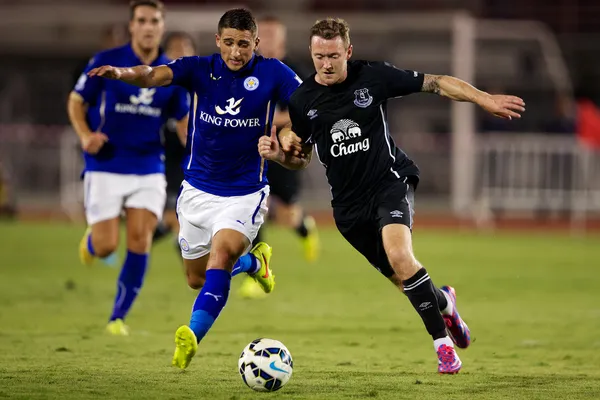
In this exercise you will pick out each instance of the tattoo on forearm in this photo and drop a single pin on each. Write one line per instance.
(431, 84)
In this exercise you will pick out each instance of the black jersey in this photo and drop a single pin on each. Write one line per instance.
(347, 124)
(174, 155)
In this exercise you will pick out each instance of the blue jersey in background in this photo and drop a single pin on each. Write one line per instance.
(131, 117)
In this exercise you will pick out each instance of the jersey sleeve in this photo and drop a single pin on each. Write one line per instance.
(287, 82)
(181, 103)
(183, 71)
(300, 125)
(397, 82)
(90, 88)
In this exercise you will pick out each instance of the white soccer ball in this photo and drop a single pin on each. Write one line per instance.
(265, 365)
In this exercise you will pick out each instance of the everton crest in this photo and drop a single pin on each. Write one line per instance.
(363, 99)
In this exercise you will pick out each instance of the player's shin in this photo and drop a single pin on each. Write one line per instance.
(424, 297)
(129, 284)
(210, 301)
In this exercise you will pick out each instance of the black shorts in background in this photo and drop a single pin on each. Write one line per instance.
(284, 183)
(361, 224)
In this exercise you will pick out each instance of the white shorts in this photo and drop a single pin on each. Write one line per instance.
(106, 194)
(201, 215)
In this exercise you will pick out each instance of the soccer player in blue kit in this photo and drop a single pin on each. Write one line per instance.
(223, 198)
(119, 128)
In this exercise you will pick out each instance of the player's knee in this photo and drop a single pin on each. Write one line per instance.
(139, 241)
(222, 260)
(105, 246)
(195, 280)
(402, 260)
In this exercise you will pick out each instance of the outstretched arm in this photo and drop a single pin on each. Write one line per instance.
(502, 106)
(141, 76)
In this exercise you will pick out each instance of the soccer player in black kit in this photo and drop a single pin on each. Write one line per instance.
(341, 112)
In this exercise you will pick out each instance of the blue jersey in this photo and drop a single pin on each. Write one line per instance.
(131, 117)
(228, 118)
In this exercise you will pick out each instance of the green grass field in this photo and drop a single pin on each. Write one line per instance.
(532, 303)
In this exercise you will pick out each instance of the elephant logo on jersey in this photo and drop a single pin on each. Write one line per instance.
(232, 107)
(363, 99)
(146, 96)
(342, 131)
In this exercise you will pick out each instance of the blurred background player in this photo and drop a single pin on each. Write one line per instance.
(119, 128)
(285, 184)
(112, 36)
(176, 45)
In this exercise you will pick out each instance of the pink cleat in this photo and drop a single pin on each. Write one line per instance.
(448, 361)
(456, 327)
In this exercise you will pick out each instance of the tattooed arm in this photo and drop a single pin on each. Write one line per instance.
(458, 90)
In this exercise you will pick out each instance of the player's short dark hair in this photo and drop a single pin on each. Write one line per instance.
(179, 35)
(240, 19)
(330, 28)
(133, 4)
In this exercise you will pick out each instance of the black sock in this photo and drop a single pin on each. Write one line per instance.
(161, 231)
(301, 229)
(442, 300)
(424, 297)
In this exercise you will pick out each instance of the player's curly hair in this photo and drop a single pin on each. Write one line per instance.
(330, 28)
(240, 19)
(133, 4)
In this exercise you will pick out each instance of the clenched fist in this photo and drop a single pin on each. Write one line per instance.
(93, 142)
(268, 146)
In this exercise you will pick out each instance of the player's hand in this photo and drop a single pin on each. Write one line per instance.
(106, 71)
(268, 146)
(503, 106)
(93, 142)
(291, 143)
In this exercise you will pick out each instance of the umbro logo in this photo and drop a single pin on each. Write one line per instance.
(312, 114)
(396, 214)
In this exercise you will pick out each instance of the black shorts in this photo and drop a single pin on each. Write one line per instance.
(284, 183)
(361, 224)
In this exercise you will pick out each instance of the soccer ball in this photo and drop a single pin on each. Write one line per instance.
(265, 365)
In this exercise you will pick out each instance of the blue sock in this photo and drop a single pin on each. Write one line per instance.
(90, 246)
(210, 301)
(246, 263)
(129, 284)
